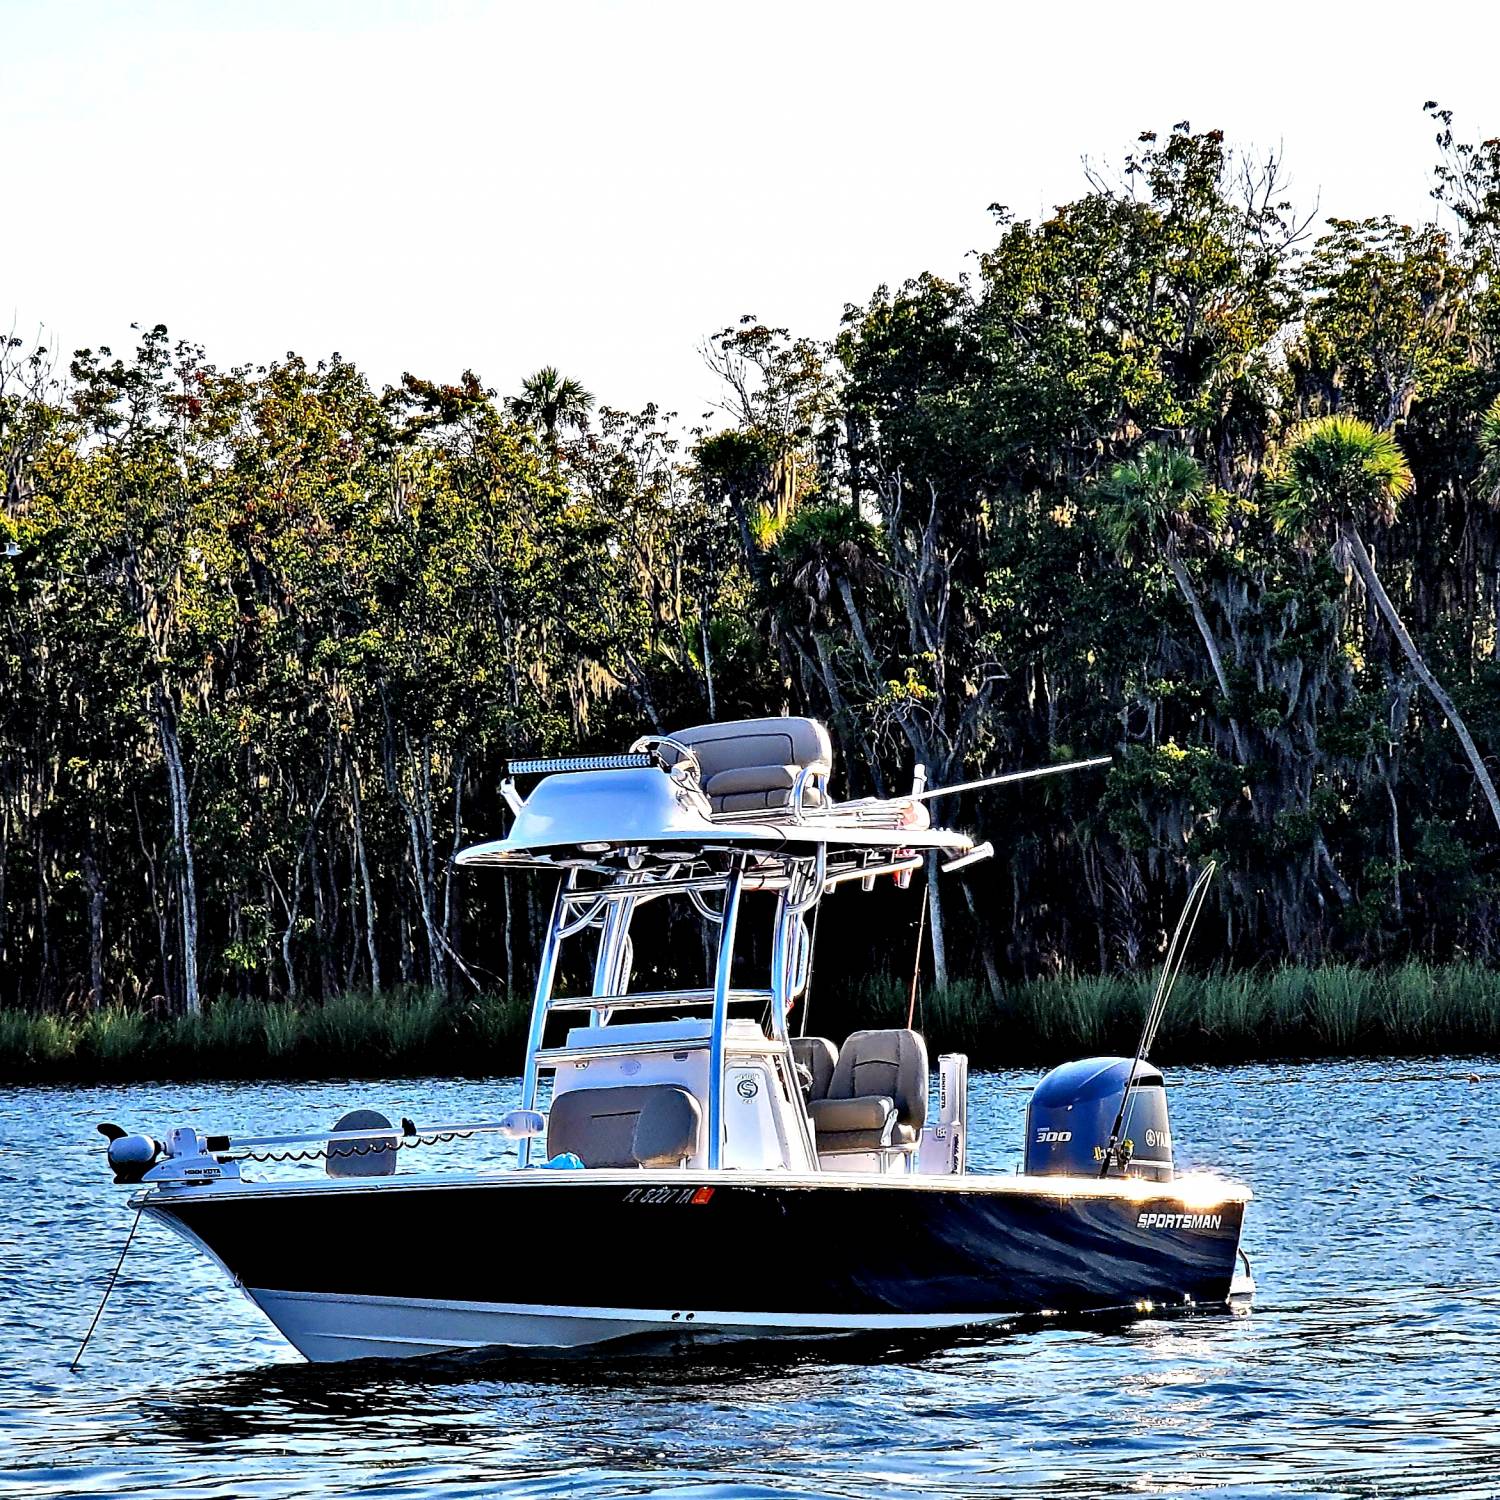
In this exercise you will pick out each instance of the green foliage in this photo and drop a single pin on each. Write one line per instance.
(1152, 497)
(1336, 468)
(550, 401)
(1489, 446)
(405, 1031)
(268, 634)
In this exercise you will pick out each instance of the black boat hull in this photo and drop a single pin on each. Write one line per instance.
(348, 1270)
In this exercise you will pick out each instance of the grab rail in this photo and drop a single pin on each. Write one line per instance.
(651, 999)
(550, 1057)
(754, 880)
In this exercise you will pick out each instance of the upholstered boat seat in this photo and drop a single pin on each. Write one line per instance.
(816, 1058)
(649, 1125)
(877, 1097)
(750, 765)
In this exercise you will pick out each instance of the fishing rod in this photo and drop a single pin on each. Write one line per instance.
(1171, 967)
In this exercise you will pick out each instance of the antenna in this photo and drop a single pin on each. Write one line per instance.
(918, 795)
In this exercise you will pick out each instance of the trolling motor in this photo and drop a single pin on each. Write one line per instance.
(1107, 1116)
(130, 1156)
(187, 1156)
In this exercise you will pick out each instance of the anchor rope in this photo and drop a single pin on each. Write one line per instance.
(113, 1277)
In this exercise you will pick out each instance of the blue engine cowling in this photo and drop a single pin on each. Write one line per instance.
(1073, 1109)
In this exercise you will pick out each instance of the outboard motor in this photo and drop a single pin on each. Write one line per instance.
(1073, 1110)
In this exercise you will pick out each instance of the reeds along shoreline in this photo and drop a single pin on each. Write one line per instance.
(1334, 1011)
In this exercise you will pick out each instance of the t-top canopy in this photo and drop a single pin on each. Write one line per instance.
(743, 785)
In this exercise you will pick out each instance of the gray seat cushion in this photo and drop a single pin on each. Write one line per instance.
(666, 1131)
(839, 1116)
(649, 1125)
(890, 1063)
(751, 779)
(819, 1057)
(750, 765)
(877, 1096)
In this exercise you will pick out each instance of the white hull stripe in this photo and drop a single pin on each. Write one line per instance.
(326, 1326)
(670, 1316)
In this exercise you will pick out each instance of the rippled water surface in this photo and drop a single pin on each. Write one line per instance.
(1370, 1366)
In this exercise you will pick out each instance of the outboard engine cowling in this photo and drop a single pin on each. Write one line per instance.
(1072, 1112)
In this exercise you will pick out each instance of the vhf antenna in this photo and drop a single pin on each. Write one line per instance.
(925, 794)
(1171, 967)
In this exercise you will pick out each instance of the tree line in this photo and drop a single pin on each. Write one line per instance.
(1175, 473)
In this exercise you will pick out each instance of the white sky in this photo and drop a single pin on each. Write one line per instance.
(602, 186)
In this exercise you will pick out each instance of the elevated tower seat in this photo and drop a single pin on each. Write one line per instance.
(751, 765)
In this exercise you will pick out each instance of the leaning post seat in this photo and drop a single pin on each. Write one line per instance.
(641, 1125)
(751, 765)
(877, 1098)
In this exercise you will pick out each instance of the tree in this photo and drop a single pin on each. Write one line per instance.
(550, 401)
(1489, 447)
(1335, 473)
(1152, 504)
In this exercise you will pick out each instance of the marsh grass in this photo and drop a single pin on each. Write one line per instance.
(410, 1031)
(1241, 1016)
(1338, 1010)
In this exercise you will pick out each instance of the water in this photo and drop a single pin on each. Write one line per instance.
(1368, 1367)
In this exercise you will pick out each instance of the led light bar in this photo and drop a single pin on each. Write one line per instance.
(623, 762)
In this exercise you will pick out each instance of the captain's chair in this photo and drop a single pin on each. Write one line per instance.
(751, 765)
(877, 1098)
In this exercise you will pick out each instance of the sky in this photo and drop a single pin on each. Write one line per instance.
(602, 186)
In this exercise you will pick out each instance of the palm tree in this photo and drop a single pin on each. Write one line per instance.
(549, 401)
(1152, 503)
(1335, 471)
(827, 550)
(1489, 446)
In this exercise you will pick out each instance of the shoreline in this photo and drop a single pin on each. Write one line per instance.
(1285, 1014)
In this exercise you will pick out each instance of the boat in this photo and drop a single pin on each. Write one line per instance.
(683, 1161)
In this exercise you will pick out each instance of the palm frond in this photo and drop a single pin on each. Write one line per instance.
(1159, 491)
(1338, 468)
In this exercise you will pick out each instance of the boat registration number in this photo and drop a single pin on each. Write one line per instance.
(658, 1195)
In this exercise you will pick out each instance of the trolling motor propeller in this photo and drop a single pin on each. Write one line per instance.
(130, 1156)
